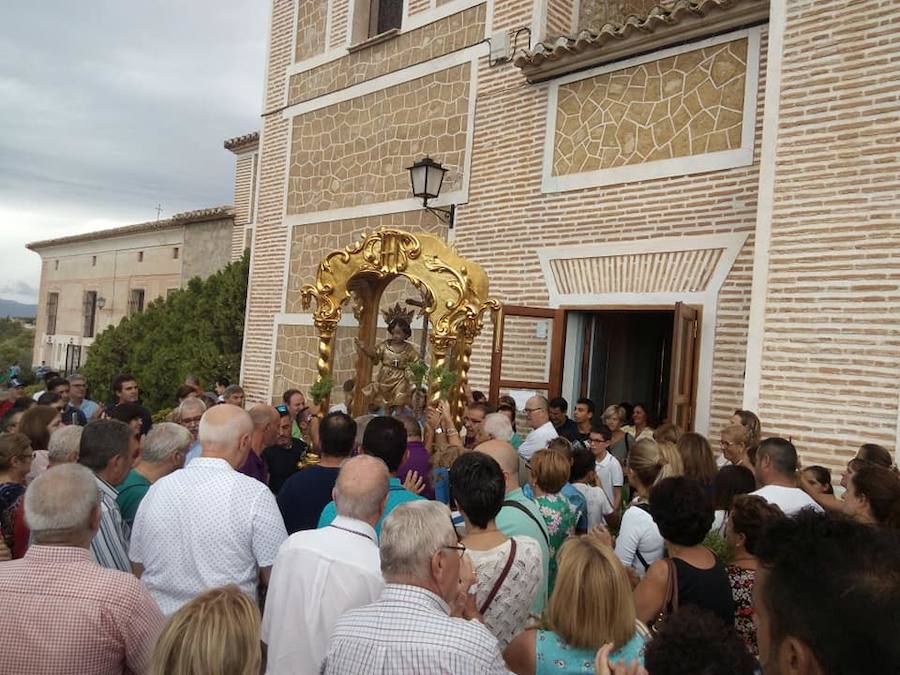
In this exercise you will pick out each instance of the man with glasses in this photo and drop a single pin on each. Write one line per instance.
(473, 420)
(284, 456)
(426, 605)
(296, 403)
(189, 414)
(542, 430)
(77, 394)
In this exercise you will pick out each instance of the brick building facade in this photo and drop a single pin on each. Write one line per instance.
(703, 191)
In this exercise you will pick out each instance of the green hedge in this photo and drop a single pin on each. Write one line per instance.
(197, 330)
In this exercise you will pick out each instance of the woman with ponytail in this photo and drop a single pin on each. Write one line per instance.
(873, 496)
(639, 543)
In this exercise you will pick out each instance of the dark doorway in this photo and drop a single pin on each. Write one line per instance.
(627, 357)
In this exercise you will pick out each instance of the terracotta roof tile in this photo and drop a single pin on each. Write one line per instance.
(178, 220)
(242, 142)
(668, 18)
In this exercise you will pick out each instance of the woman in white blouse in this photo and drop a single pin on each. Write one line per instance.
(508, 570)
(639, 543)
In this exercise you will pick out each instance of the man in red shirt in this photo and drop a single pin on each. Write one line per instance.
(61, 611)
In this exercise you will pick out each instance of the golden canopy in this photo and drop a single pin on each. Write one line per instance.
(455, 292)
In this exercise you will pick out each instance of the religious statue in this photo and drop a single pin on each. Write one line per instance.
(392, 385)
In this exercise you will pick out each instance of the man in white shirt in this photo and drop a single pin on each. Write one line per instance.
(413, 627)
(208, 525)
(609, 472)
(776, 470)
(320, 574)
(537, 415)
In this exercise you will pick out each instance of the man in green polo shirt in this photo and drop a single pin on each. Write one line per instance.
(520, 515)
(162, 452)
(384, 438)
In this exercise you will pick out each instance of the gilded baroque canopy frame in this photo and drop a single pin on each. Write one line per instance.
(455, 292)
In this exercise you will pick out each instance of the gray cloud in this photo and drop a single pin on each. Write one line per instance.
(109, 108)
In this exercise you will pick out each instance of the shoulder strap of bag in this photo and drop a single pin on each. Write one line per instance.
(672, 588)
(509, 561)
(523, 509)
(641, 559)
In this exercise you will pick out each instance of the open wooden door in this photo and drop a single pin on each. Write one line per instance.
(528, 349)
(683, 374)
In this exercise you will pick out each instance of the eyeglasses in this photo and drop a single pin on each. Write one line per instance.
(460, 548)
(531, 410)
(191, 420)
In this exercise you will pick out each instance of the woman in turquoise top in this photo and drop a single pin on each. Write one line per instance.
(591, 605)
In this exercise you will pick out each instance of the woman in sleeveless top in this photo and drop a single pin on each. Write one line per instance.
(684, 515)
(508, 571)
(639, 543)
(748, 516)
(591, 606)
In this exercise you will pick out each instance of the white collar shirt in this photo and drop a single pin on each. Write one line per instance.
(318, 576)
(537, 439)
(790, 500)
(202, 527)
(409, 630)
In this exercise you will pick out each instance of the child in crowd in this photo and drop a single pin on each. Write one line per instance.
(583, 478)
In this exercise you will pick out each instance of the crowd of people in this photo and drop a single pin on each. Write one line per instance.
(292, 539)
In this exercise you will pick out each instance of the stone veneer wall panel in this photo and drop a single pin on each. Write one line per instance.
(444, 36)
(525, 220)
(683, 105)
(312, 18)
(831, 354)
(333, 148)
(311, 243)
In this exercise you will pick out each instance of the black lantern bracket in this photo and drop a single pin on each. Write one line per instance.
(426, 178)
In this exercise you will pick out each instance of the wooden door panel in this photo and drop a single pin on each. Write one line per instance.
(683, 374)
(531, 362)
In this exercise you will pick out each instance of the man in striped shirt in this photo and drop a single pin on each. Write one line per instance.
(108, 448)
(425, 620)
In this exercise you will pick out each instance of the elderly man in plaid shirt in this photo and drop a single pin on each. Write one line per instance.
(425, 620)
(62, 612)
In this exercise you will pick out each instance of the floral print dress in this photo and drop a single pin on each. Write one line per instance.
(560, 518)
(741, 581)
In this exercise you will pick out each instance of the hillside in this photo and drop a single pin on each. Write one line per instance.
(17, 310)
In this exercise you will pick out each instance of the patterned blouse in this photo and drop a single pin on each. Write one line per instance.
(10, 501)
(509, 610)
(741, 581)
(560, 517)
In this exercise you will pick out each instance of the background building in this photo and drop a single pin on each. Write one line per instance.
(91, 281)
(692, 203)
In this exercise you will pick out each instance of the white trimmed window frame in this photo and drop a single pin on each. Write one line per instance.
(677, 166)
(729, 243)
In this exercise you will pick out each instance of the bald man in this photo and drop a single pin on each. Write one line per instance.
(265, 432)
(537, 415)
(321, 574)
(519, 515)
(208, 525)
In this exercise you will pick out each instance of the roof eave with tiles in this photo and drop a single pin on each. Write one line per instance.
(665, 25)
(242, 143)
(178, 220)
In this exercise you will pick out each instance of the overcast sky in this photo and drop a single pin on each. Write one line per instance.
(108, 108)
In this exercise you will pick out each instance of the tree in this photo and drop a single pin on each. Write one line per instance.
(16, 341)
(197, 330)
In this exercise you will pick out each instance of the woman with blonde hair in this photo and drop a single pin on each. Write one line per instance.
(699, 461)
(592, 605)
(734, 441)
(621, 441)
(639, 543)
(751, 423)
(216, 632)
